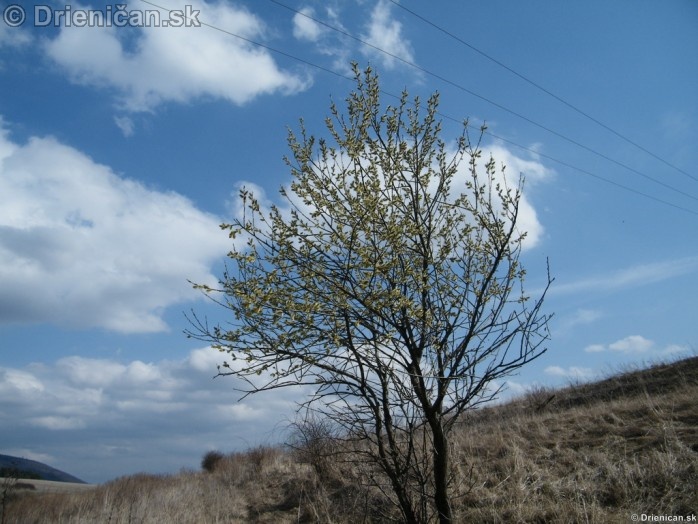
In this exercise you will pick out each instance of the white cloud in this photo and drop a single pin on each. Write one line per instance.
(90, 372)
(586, 316)
(305, 28)
(15, 381)
(573, 372)
(83, 247)
(85, 372)
(125, 124)
(533, 172)
(57, 423)
(148, 66)
(13, 36)
(385, 33)
(638, 344)
(515, 389)
(595, 348)
(555, 370)
(105, 418)
(528, 222)
(239, 412)
(515, 166)
(580, 317)
(632, 344)
(633, 276)
(675, 349)
(336, 45)
(141, 373)
(29, 454)
(206, 360)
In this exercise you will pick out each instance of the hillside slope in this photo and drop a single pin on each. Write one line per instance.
(25, 468)
(593, 453)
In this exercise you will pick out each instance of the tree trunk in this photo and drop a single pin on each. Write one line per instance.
(441, 473)
(405, 505)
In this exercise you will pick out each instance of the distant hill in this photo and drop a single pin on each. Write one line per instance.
(31, 469)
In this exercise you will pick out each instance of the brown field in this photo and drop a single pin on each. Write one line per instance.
(589, 453)
(50, 486)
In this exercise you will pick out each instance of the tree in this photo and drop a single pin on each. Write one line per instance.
(396, 296)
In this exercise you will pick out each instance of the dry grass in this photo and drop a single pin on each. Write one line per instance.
(592, 453)
(597, 463)
(221, 496)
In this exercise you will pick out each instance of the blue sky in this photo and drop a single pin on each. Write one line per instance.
(122, 149)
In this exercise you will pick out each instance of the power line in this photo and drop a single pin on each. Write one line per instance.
(544, 90)
(340, 75)
(589, 173)
(570, 166)
(488, 100)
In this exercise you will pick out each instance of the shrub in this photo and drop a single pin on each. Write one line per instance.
(211, 460)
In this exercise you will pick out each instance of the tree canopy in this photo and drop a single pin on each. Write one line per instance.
(387, 282)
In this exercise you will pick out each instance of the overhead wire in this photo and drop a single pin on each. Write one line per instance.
(543, 89)
(349, 78)
(589, 173)
(571, 166)
(488, 100)
(258, 44)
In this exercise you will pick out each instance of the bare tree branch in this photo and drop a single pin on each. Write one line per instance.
(397, 296)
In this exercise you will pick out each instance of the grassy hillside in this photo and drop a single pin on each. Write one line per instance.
(592, 453)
